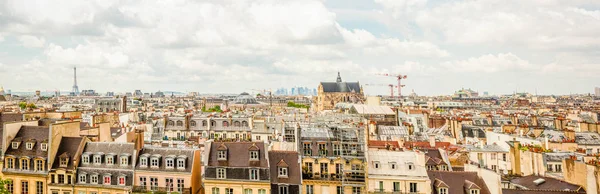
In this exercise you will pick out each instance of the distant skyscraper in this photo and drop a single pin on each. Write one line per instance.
(597, 91)
(75, 91)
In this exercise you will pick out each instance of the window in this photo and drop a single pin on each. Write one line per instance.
(443, 190)
(144, 162)
(494, 168)
(355, 190)
(61, 179)
(64, 162)
(153, 183)
(107, 180)
(180, 185)
(549, 168)
(283, 172)
(222, 155)
(493, 156)
(39, 165)
(410, 166)
(310, 189)
(445, 168)
(254, 174)
(15, 145)
(85, 159)
(336, 149)
(24, 187)
(94, 179)
(588, 151)
(121, 180)
(307, 149)
(29, 146)
(322, 149)
(262, 191)
(376, 165)
(283, 190)
(393, 166)
(228, 191)
(10, 187)
(24, 164)
(169, 184)
(253, 155)
(39, 187)
(154, 162)
(381, 186)
(143, 182)
(225, 124)
(181, 163)
(309, 167)
(193, 123)
(170, 163)
(97, 159)
(504, 157)
(110, 160)
(215, 190)
(339, 190)
(124, 160)
(221, 174)
(324, 168)
(247, 191)
(413, 187)
(9, 163)
(44, 146)
(474, 191)
(82, 178)
(338, 168)
(69, 179)
(396, 186)
(52, 180)
(558, 167)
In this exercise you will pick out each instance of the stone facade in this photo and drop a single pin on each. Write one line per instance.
(331, 93)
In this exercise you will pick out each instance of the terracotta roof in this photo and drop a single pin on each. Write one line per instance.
(383, 144)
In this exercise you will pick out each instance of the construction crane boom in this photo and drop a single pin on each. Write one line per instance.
(399, 77)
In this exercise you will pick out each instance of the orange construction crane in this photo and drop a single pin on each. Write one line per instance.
(399, 77)
(388, 85)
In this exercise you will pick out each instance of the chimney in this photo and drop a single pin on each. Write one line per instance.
(516, 157)
(432, 141)
(570, 135)
(139, 139)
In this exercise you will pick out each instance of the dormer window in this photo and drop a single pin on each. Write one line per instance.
(15, 145)
(124, 160)
(64, 162)
(29, 145)
(474, 191)
(443, 190)
(110, 160)
(222, 155)
(253, 155)
(97, 159)
(283, 172)
(82, 178)
(376, 165)
(181, 163)
(44, 146)
(411, 166)
(154, 162)
(143, 162)
(94, 179)
(122, 180)
(393, 165)
(221, 173)
(106, 179)
(85, 159)
(170, 163)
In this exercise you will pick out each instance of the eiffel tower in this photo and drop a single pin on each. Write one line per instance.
(75, 91)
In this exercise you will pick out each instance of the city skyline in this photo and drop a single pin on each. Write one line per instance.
(225, 47)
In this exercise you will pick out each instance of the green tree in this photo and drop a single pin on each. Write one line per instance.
(3, 183)
(23, 105)
(31, 105)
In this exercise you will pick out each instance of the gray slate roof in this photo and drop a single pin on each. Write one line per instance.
(188, 154)
(341, 87)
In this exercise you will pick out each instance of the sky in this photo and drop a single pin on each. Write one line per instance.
(231, 46)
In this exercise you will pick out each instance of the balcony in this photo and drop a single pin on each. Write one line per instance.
(159, 190)
(354, 177)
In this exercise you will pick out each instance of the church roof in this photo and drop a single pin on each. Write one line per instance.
(341, 87)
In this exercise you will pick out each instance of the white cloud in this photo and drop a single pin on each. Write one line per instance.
(32, 41)
(490, 64)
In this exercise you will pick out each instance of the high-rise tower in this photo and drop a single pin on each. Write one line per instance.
(75, 91)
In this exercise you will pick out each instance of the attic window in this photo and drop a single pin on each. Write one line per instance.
(170, 163)
(181, 163)
(124, 160)
(443, 190)
(474, 191)
(253, 155)
(15, 145)
(29, 145)
(393, 165)
(143, 162)
(85, 159)
(44, 146)
(222, 155)
(64, 162)
(411, 166)
(283, 172)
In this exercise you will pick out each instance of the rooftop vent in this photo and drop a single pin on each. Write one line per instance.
(539, 181)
